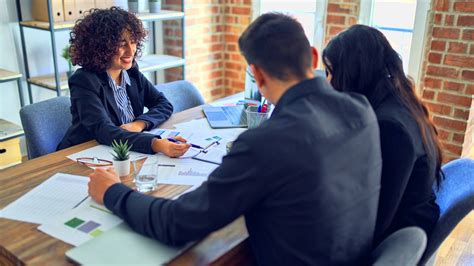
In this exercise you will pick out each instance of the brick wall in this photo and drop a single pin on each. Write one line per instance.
(448, 74)
(341, 14)
(213, 60)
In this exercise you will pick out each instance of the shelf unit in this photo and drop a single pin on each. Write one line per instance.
(58, 81)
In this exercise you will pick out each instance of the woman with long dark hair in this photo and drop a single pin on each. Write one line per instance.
(361, 60)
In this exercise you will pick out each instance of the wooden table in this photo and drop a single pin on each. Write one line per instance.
(22, 243)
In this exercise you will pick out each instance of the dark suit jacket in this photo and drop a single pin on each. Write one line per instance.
(95, 114)
(307, 181)
(408, 174)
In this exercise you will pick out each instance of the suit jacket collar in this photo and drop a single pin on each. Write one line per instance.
(300, 90)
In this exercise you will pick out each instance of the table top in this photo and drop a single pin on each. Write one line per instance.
(22, 243)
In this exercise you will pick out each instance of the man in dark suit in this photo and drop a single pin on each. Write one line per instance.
(307, 180)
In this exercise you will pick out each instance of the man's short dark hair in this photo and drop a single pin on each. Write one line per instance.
(276, 43)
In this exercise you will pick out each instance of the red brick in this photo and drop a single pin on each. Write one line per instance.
(231, 74)
(335, 30)
(428, 95)
(442, 72)
(438, 45)
(439, 108)
(432, 83)
(453, 86)
(457, 47)
(467, 7)
(434, 58)
(470, 90)
(456, 149)
(459, 61)
(334, 19)
(468, 35)
(461, 114)
(336, 8)
(441, 5)
(449, 123)
(241, 10)
(438, 18)
(446, 33)
(454, 99)
(467, 74)
(458, 138)
(216, 92)
(443, 134)
(449, 20)
(465, 21)
(472, 49)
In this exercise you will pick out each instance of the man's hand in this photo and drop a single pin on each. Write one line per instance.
(100, 181)
(169, 148)
(135, 126)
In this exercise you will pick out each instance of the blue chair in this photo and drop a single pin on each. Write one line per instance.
(403, 247)
(182, 94)
(455, 199)
(45, 124)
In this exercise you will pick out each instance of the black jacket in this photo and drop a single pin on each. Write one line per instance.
(307, 181)
(408, 172)
(95, 114)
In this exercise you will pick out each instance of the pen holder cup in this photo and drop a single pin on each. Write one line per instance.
(254, 118)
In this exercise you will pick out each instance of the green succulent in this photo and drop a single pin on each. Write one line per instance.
(121, 150)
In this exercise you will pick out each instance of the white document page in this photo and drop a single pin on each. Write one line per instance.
(55, 196)
(82, 223)
(181, 171)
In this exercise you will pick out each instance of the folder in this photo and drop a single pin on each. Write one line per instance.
(121, 245)
(82, 6)
(69, 8)
(40, 10)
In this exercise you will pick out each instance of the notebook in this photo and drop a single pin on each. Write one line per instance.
(121, 245)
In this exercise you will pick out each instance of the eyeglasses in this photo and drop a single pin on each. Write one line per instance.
(93, 162)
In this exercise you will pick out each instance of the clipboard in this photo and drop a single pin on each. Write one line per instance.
(213, 153)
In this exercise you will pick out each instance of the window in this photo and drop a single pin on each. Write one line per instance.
(403, 22)
(310, 13)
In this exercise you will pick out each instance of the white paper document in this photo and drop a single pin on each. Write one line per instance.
(102, 152)
(55, 196)
(81, 224)
(180, 171)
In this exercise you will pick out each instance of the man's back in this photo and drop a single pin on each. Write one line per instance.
(320, 178)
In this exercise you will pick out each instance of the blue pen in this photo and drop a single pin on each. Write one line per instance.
(259, 109)
(192, 145)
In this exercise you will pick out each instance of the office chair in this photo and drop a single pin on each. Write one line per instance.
(45, 124)
(403, 247)
(182, 94)
(455, 199)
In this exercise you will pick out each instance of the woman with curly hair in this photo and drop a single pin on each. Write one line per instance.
(109, 92)
(360, 59)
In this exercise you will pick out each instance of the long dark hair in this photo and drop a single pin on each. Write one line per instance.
(360, 59)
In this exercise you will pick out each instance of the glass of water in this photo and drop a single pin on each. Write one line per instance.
(146, 179)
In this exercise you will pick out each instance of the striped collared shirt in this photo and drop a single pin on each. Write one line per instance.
(121, 97)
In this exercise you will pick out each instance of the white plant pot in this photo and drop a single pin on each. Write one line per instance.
(122, 167)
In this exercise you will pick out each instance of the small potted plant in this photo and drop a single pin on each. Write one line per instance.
(67, 56)
(154, 6)
(121, 155)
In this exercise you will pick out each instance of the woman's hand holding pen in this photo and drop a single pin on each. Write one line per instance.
(171, 149)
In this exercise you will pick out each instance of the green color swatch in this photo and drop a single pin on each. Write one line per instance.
(96, 232)
(74, 222)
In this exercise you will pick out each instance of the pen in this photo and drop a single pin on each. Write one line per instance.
(192, 145)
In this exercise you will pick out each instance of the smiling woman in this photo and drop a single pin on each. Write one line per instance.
(109, 93)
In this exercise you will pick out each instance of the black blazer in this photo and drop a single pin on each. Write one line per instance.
(95, 114)
(307, 181)
(408, 173)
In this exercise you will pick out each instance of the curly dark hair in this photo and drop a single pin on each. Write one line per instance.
(96, 38)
